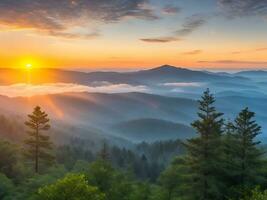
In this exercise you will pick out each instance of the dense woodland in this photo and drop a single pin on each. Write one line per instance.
(225, 161)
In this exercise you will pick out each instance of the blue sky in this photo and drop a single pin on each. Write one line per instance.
(133, 34)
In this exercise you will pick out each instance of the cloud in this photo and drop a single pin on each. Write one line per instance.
(190, 25)
(160, 39)
(194, 52)
(171, 10)
(249, 51)
(237, 52)
(235, 62)
(57, 18)
(261, 49)
(240, 8)
(183, 84)
(27, 90)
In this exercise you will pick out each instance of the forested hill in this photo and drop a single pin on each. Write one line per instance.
(223, 161)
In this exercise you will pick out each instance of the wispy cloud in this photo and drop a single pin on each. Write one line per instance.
(171, 10)
(261, 49)
(190, 25)
(237, 52)
(249, 51)
(193, 52)
(160, 39)
(57, 18)
(27, 90)
(240, 8)
(235, 62)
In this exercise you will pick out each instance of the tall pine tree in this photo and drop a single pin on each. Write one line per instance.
(38, 144)
(247, 156)
(204, 152)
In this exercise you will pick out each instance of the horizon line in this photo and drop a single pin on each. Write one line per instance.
(134, 69)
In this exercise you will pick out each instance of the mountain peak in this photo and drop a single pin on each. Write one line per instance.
(166, 68)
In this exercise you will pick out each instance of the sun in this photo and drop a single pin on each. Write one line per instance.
(28, 66)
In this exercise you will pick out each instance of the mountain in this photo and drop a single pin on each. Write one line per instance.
(151, 130)
(89, 114)
(257, 75)
(103, 110)
(252, 73)
(162, 74)
(169, 105)
(241, 93)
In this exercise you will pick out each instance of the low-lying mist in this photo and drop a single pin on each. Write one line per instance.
(28, 90)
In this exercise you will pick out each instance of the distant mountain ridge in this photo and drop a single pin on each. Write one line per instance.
(153, 130)
(163, 111)
(165, 73)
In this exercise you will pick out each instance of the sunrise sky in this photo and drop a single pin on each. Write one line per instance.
(129, 34)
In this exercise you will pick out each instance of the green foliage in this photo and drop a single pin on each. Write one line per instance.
(6, 186)
(141, 191)
(115, 184)
(81, 166)
(245, 156)
(101, 175)
(72, 187)
(28, 189)
(204, 152)
(8, 158)
(70, 154)
(257, 195)
(38, 144)
(173, 179)
(11, 129)
(223, 162)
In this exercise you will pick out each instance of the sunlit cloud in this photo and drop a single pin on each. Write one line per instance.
(28, 90)
(261, 49)
(193, 52)
(58, 18)
(250, 51)
(160, 39)
(171, 10)
(190, 25)
(234, 62)
(241, 8)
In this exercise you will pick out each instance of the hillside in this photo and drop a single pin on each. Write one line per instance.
(150, 130)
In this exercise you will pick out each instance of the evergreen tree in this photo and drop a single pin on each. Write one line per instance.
(172, 179)
(38, 144)
(247, 155)
(204, 152)
(228, 159)
(104, 153)
(6, 186)
(8, 159)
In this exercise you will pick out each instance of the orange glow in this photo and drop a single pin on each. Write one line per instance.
(28, 66)
(106, 53)
(53, 107)
(28, 63)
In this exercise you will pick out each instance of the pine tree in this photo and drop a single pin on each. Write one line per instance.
(204, 152)
(247, 155)
(38, 144)
(104, 152)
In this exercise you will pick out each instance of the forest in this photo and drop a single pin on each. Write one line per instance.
(224, 161)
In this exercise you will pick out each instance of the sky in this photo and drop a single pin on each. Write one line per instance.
(131, 34)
